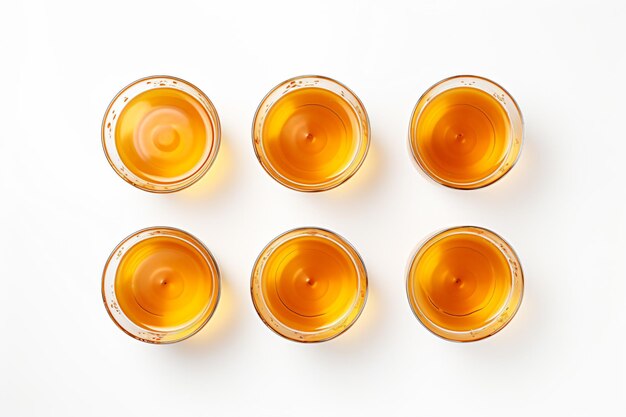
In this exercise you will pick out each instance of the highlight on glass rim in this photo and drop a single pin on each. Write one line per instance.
(161, 134)
(466, 132)
(309, 285)
(311, 133)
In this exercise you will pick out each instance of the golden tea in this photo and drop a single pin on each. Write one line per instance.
(164, 282)
(313, 136)
(464, 136)
(309, 285)
(161, 134)
(465, 283)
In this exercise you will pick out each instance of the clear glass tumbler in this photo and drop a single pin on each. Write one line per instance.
(160, 285)
(161, 134)
(311, 133)
(466, 132)
(465, 283)
(309, 285)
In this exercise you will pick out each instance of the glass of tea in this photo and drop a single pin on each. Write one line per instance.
(161, 134)
(311, 133)
(161, 285)
(466, 132)
(309, 285)
(465, 283)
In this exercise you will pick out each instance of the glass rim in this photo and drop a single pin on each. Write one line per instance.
(364, 138)
(198, 324)
(517, 288)
(190, 178)
(496, 175)
(347, 319)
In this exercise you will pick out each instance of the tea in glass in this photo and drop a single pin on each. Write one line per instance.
(465, 283)
(309, 285)
(161, 134)
(161, 285)
(466, 132)
(311, 133)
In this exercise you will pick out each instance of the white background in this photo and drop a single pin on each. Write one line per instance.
(63, 209)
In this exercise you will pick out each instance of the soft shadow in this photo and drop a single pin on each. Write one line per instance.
(529, 177)
(357, 338)
(219, 177)
(529, 172)
(518, 340)
(218, 333)
(369, 176)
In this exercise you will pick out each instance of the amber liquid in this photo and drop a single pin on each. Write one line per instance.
(164, 135)
(462, 135)
(164, 283)
(461, 282)
(311, 135)
(309, 283)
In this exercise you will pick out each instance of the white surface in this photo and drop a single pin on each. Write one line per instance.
(562, 208)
